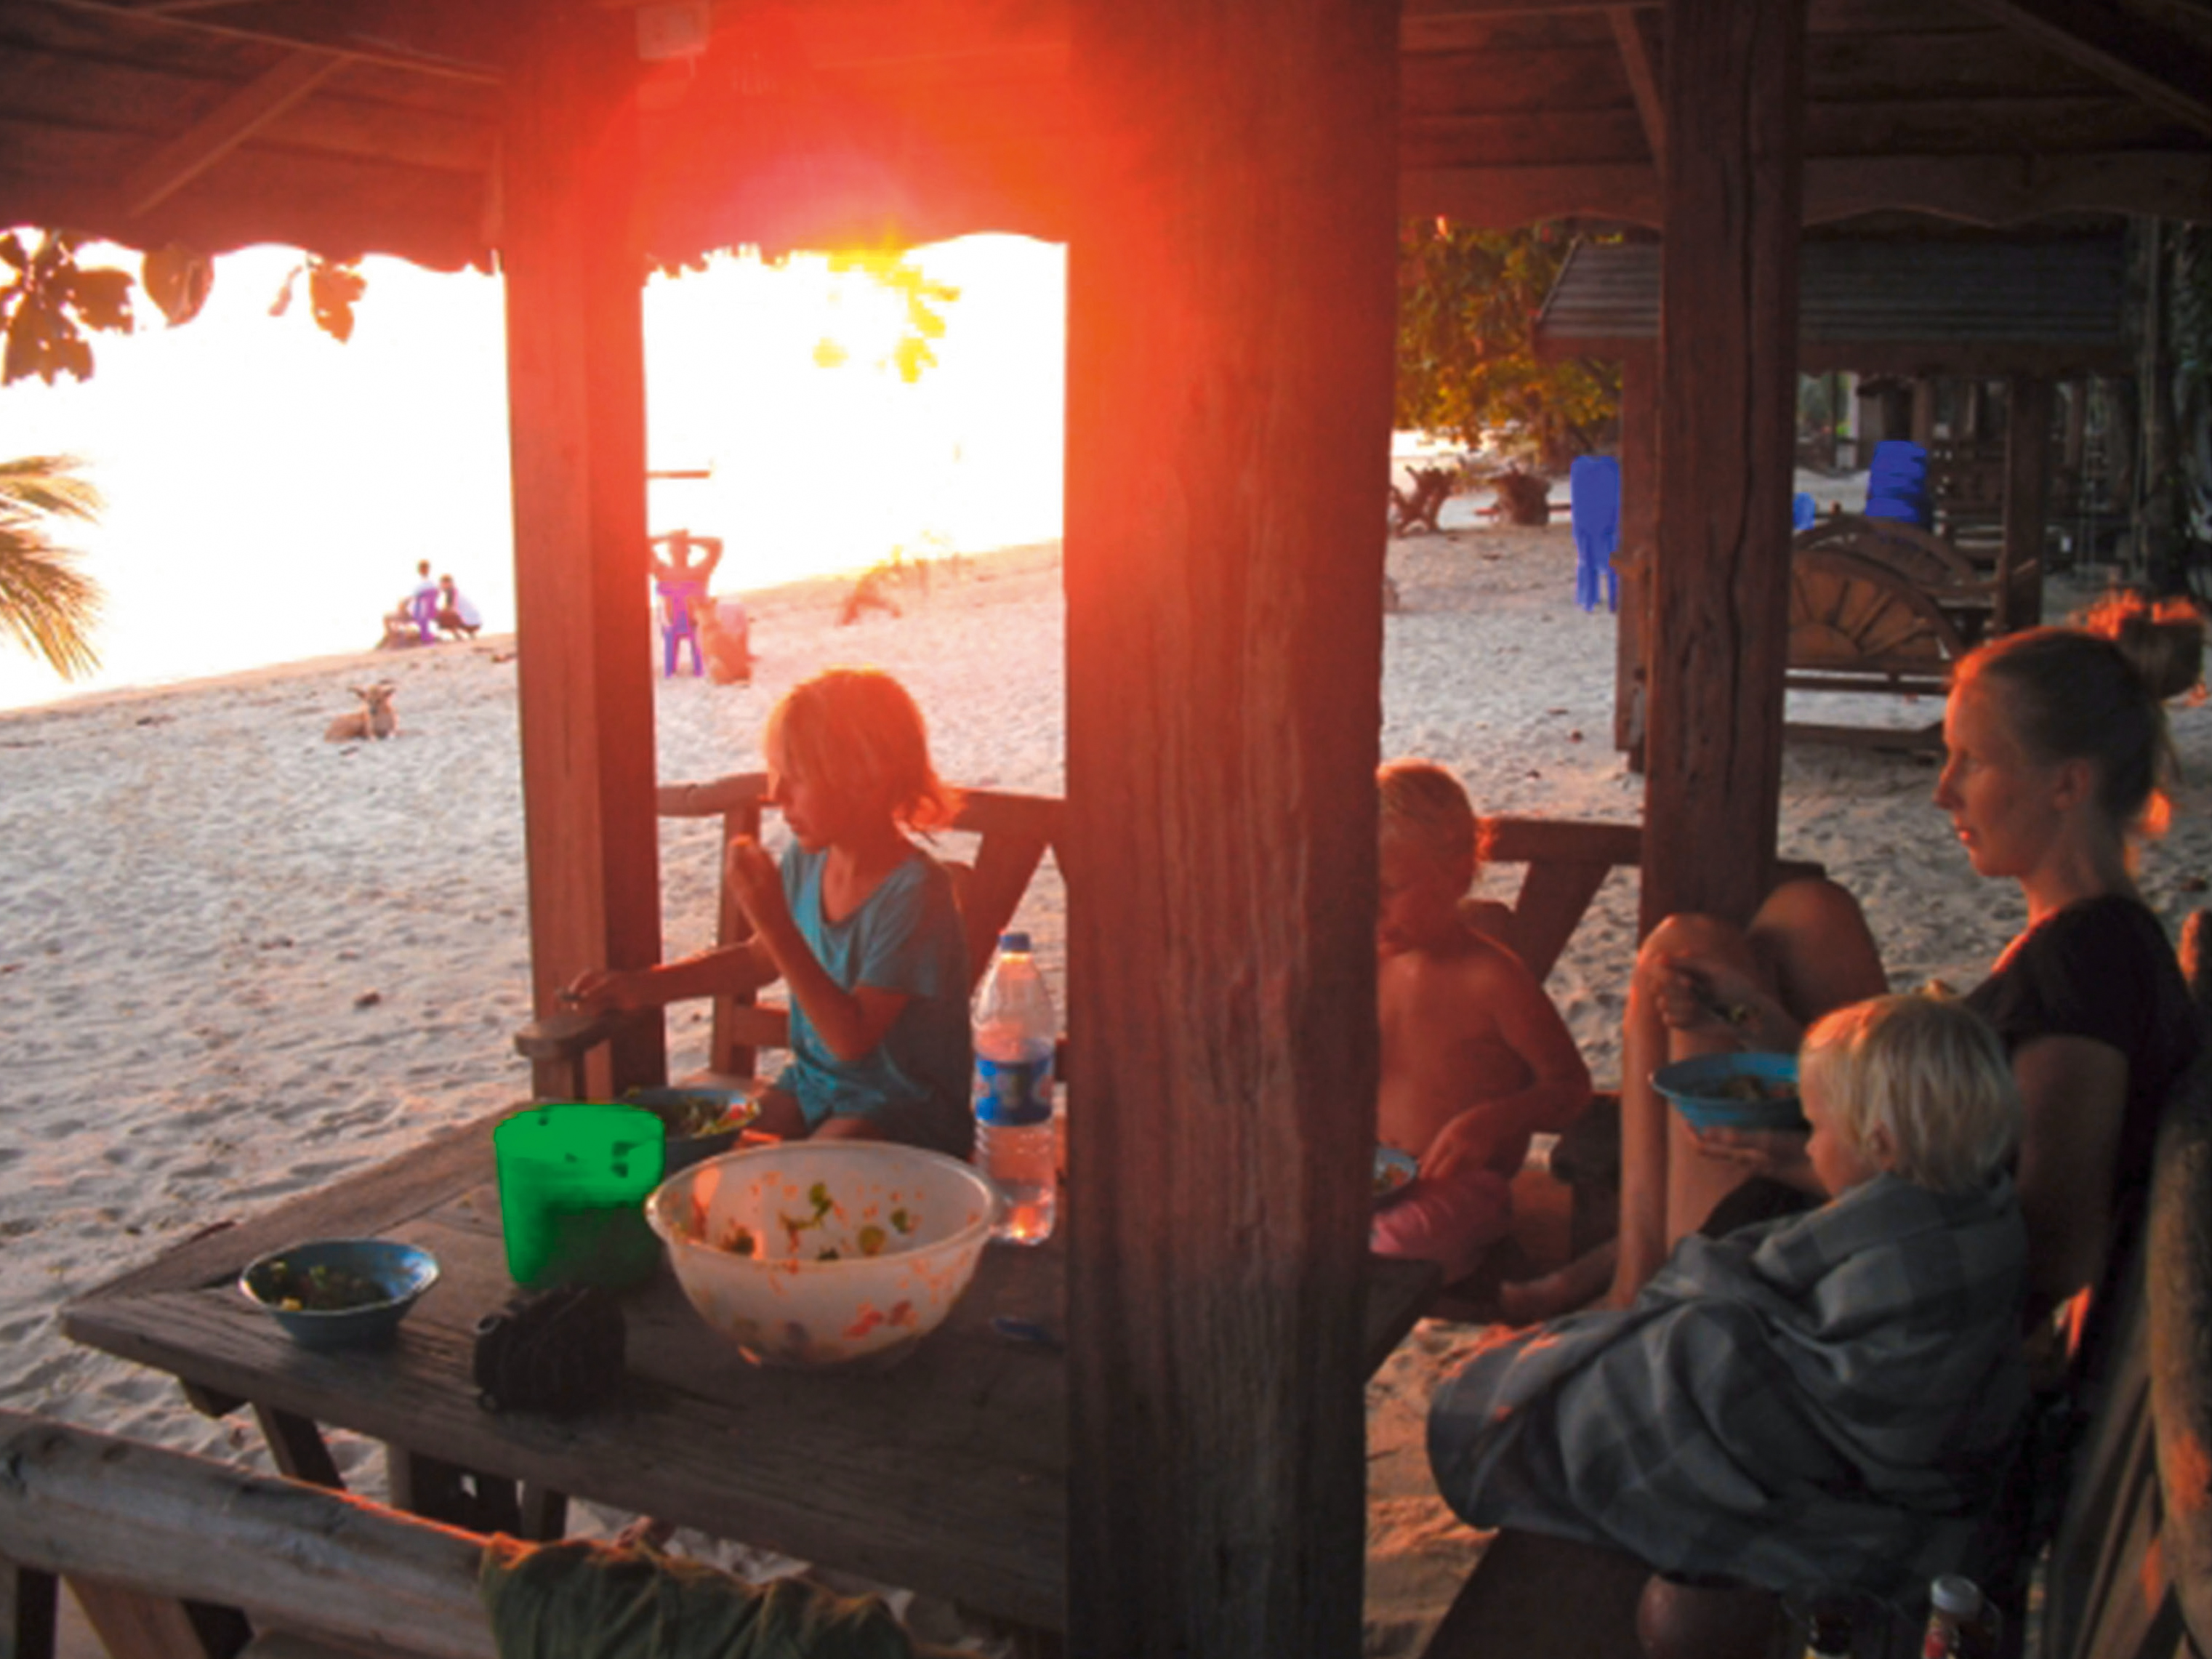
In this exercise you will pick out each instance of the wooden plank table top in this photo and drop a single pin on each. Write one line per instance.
(946, 1473)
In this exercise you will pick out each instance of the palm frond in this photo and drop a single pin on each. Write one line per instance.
(46, 603)
(47, 484)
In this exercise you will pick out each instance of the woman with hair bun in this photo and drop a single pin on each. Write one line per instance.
(2056, 745)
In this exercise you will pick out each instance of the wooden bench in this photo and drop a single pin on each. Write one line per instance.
(177, 1556)
(2129, 1574)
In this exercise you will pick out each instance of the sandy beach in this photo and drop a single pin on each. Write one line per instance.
(237, 961)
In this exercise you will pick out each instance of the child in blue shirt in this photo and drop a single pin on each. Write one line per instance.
(860, 923)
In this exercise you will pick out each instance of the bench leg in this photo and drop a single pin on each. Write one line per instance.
(28, 1602)
(133, 1624)
(445, 1491)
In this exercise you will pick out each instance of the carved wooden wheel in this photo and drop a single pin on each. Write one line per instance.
(1849, 613)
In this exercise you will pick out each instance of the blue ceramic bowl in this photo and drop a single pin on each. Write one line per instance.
(369, 1284)
(1734, 1091)
(679, 1108)
(1393, 1172)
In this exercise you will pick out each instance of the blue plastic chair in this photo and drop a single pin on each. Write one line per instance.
(1804, 512)
(1897, 483)
(678, 623)
(1593, 495)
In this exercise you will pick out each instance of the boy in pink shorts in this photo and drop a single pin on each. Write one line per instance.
(1475, 1059)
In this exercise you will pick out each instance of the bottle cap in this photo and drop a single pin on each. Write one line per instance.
(1016, 940)
(1961, 1597)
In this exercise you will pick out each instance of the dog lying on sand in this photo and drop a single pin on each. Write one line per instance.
(374, 719)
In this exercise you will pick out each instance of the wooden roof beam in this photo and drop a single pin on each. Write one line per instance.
(198, 21)
(224, 128)
(1981, 190)
(1436, 8)
(1643, 80)
(2147, 63)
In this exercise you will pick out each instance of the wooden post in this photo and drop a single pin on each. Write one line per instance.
(576, 390)
(1924, 410)
(1728, 335)
(1231, 316)
(2027, 499)
(1639, 536)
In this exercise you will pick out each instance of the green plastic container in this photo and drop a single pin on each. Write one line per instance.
(573, 1183)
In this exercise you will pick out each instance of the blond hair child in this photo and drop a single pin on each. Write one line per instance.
(1913, 1086)
(1475, 1059)
(859, 922)
(1826, 1399)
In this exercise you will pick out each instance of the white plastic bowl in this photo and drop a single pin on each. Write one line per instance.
(824, 1252)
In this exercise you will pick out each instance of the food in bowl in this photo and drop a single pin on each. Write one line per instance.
(700, 1120)
(1746, 1090)
(1393, 1172)
(825, 1253)
(339, 1292)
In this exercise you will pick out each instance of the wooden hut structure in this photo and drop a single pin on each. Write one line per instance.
(2033, 309)
(1228, 177)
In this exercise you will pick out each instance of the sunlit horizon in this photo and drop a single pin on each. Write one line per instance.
(269, 490)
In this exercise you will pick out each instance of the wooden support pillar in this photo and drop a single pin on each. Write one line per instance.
(1639, 535)
(1231, 297)
(2026, 500)
(1728, 397)
(576, 390)
(1923, 411)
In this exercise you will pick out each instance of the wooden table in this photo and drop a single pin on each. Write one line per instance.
(947, 1474)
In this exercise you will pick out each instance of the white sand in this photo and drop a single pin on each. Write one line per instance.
(236, 962)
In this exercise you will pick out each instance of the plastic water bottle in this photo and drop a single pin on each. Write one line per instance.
(1960, 1623)
(1014, 1138)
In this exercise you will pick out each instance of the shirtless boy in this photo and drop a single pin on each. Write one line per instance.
(1475, 1059)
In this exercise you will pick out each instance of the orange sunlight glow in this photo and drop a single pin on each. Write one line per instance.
(269, 490)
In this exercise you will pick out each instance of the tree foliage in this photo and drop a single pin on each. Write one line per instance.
(891, 269)
(49, 300)
(48, 604)
(333, 286)
(1468, 368)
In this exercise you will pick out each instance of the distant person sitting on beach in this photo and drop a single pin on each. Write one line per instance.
(860, 924)
(1825, 1398)
(1475, 1059)
(456, 616)
(725, 633)
(423, 600)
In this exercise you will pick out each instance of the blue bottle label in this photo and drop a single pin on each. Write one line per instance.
(1013, 1093)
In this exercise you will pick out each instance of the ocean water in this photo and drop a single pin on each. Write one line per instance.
(269, 489)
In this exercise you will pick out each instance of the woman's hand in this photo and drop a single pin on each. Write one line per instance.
(1704, 994)
(1778, 1154)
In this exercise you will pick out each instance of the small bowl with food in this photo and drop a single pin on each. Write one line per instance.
(702, 1121)
(1744, 1090)
(1393, 1172)
(339, 1292)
